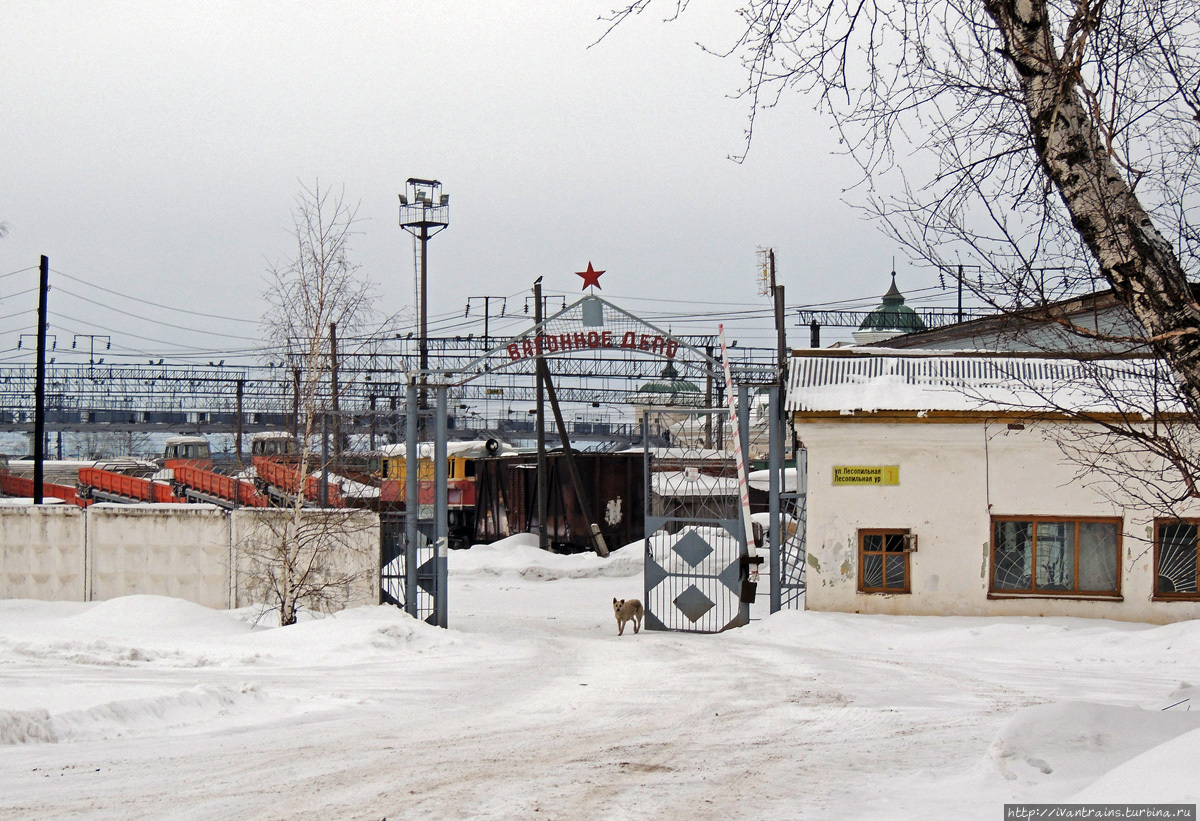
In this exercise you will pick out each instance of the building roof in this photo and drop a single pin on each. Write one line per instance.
(1040, 328)
(848, 381)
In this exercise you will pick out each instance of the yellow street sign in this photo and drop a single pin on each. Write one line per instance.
(866, 474)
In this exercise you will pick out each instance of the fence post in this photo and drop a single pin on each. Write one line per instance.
(412, 505)
(440, 508)
(775, 456)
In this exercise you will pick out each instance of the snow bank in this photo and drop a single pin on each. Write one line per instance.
(520, 556)
(983, 637)
(195, 707)
(1077, 742)
(135, 630)
(1167, 773)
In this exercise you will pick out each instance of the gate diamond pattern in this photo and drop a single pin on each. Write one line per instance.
(692, 549)
(694, 604)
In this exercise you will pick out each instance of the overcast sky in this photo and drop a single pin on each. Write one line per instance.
(155, 149)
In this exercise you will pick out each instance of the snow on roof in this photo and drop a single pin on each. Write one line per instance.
(349, 487)
(678, 484)
(927, 381)
(761, 480)
(271, 435)
(683, 453)
(469, 449)
(186, 439)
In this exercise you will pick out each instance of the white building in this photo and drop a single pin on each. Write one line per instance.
(936, 486)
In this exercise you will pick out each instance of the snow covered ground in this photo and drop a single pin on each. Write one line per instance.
(531, 706)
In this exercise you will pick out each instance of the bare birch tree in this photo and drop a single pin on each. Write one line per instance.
(1060, 136)
(319, 559)
(318, 286)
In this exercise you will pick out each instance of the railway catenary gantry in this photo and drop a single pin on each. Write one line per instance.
(152, 397)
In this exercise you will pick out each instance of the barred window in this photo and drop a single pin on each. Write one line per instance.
(882, 561)
(1038, 554)
(1176, 565)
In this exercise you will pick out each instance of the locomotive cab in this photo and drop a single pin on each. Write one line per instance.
(193, 451)
(274, 445)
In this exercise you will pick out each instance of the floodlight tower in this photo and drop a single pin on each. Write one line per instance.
(424, 211)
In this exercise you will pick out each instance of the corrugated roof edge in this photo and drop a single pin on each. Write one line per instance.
(877, 381)
(917, 353)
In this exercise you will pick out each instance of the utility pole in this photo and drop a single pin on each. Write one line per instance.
(241, 383)
(708, 396)
(780, 329)
(427, 215)
(296, 405)
(371, 437)
(960, 287)
(333, 385)
(91, 338)
(540, 415)
(39, 413)
(487, 312)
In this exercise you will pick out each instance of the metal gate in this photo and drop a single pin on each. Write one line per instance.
(413, 543)
(416, 593)
(793, 558)
(695, 539)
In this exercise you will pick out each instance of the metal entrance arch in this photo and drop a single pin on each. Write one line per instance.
(415, 568)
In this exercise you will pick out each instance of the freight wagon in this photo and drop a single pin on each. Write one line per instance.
(506, 498)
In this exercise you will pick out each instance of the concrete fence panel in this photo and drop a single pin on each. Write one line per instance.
(166, 550)
(42, 552)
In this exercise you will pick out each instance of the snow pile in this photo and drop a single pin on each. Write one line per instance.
(520, 556)
(162, 634)
(1076, 742)
(120, 632)
(358, 635)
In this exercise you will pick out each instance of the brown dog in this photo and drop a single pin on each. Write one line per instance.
(628, 610)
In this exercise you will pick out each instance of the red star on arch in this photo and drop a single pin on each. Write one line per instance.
(590, 277)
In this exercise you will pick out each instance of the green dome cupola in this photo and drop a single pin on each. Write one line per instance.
(890, 318)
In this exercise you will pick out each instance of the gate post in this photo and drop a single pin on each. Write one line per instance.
(744, 436)
(412, 506)
(775, 465)
(647, 503)
(440, 509)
